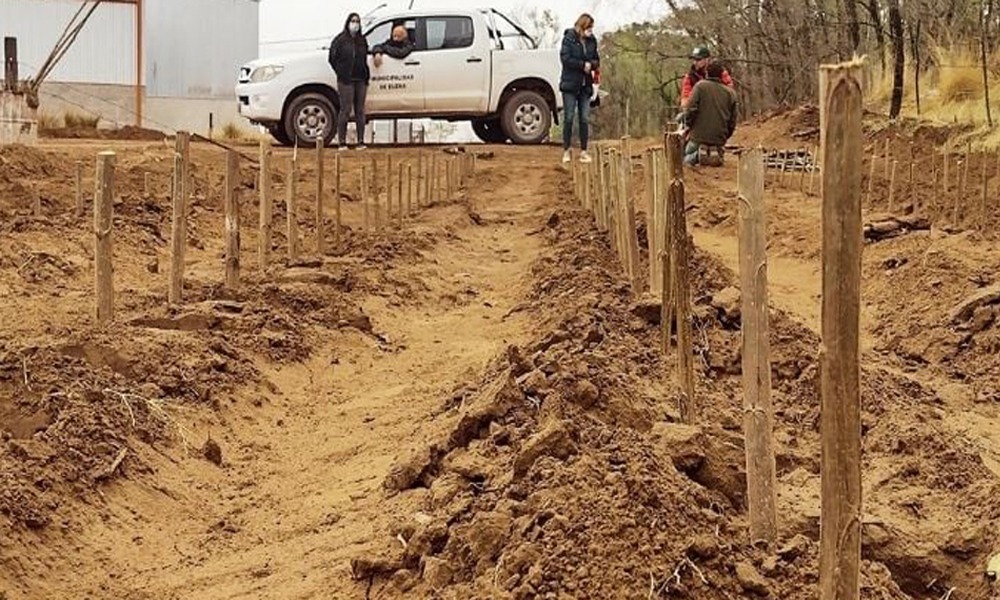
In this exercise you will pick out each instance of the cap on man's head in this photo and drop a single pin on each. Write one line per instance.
(700, 53)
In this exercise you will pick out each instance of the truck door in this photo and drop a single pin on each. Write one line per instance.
(397, 86)
(455, 59)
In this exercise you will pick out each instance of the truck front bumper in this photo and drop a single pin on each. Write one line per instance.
(258, 104)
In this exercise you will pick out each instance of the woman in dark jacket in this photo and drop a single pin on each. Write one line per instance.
(349, 59)
(579, 61)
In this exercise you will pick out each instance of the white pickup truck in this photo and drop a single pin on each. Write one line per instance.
(467, 65)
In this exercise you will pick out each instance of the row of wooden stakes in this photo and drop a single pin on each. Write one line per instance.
(604, 187)
(434, 181)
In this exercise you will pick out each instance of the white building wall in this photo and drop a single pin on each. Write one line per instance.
(104, 52)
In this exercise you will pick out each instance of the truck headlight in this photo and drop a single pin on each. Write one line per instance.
(265, 73)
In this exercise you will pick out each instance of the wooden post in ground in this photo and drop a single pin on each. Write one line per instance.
(802, 174)
(178, 234)
(947, 159)
(365, 198)
(147, 187)
(292, 210)
(336, 202)
(631, 241)
(965, 171)
(758, 416)
(80, 205)
(888, 157)
(448, 175)
(601, 213)
(871, 180)
(103, 248)
(320, 218)
(266, 207)
(232, 209)
(674, 157)
(399, 195)
(841, 100)
(681, 280)
(587, 171)
(409, 189)
(892, 185)
(652, 223)
(814, 169)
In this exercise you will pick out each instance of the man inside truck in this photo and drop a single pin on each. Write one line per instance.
(398, 46)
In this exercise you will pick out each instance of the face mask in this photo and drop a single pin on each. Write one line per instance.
(354, 27)
(588, 33)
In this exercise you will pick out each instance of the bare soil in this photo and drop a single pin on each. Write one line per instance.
(471, 407)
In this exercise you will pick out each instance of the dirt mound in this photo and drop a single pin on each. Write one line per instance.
(122, 134)
(781, 128)
(568, 474)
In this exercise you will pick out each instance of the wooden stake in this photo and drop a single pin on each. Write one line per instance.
(631, 241)
(758, 416)
(320, 218)
(399, 196)
(178, 235)
(232, 208)
(601, 214)
(802, 177)
(815, 167)
(965, 171)
(652, 219)
(336, 203)
(892, 185)
(80, 205)
(840, 429)
(103, 229)
(913, 189)
(871, 180)
(681, 278)
(945, 169)
(292, 210)
(409, 189)
(673, 145)
(147, 188)
(365, 198)
(888, 156)
(266, 207)
(388, 192)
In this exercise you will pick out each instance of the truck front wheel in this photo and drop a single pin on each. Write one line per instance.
(310, 116)
(526, 118)
(277, 131)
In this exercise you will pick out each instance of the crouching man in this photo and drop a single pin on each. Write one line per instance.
(711, 119)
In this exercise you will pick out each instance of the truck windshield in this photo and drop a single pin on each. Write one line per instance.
(509, 35)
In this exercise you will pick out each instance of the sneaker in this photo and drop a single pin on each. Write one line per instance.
(585, 158)
(342, 148)
(361, 147)
(567, 157)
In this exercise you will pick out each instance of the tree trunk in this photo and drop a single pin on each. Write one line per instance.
(899, 58)
(876, 16)
(853, 27)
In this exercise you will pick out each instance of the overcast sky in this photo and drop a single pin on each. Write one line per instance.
(293, 25)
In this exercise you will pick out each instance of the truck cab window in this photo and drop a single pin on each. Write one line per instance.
(381, 33)
(444, 33)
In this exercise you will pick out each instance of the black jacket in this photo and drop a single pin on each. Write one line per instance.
(349, 57)
(394, 49)
(574, 53)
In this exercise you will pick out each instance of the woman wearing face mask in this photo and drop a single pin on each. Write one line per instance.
(579, 61)
(349, 59)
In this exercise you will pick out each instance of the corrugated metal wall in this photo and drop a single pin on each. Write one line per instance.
(104, 52)
(194, 48)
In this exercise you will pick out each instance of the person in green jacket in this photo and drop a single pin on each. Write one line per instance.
(711, 118)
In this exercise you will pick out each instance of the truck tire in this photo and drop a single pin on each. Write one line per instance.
(308, 117)
(489, 130)
(526, 117)
(277, 131)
